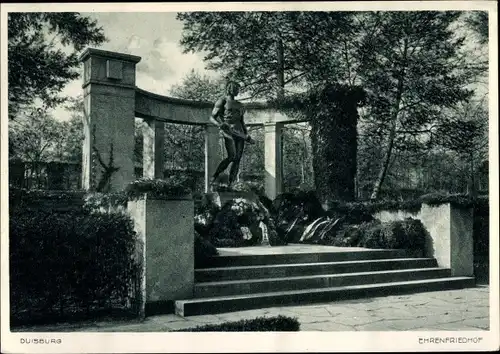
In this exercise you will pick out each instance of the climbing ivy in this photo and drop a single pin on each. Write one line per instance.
(332, 112)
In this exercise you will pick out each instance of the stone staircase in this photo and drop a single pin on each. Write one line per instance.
(243, 282)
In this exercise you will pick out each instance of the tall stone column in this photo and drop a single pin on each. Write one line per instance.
(109, 98)
(273, 161)
(212, 153)
(153, 146)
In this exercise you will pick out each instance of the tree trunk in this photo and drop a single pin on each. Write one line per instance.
(280, 70)
(392, 134)
(387, 158)
(472, 191)
(302, 174)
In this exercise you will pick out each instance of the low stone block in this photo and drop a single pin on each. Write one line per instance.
(451, 243)
(166, 229)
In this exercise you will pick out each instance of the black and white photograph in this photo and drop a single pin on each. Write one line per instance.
(320, 176)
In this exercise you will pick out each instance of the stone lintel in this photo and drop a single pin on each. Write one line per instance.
(109, 55)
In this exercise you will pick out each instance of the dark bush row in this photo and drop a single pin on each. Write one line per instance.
(59, 201)
(203, 251)
(407, 234)
(481, 234)
(70, 262)
(260, 324)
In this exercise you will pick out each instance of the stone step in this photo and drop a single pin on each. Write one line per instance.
(302, 269)
(268, 259)
(239, 287)
(231, 303)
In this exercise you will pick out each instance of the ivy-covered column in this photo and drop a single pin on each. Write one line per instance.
(334, 143)
(109, 98)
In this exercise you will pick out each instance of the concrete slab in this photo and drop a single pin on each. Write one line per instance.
(437, 310)
(288, 249)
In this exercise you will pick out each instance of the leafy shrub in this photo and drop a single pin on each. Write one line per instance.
(259, 324)
(413, 236)
(274, 238)
(372, 235)
(347, 235)
(205, 209)
(408, 234)
(158, 188)
(241, 214)
(268, 203)
(203, 251)
(69, 262)
(292, 213)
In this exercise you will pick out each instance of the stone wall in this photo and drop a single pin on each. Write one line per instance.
(450, 229)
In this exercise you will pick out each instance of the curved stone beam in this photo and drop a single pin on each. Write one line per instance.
(176, 110)
(169, 109)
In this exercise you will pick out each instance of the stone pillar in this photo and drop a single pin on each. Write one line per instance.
(273, 161)
(451, 243)
(109, 98)
(153, 146)
(212, 153)
(166, 233)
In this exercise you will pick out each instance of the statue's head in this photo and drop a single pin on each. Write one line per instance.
(232, 88)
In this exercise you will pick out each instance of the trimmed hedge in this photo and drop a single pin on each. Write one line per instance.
(259, 324)
(369, 207)
(65, 264)
(158, 188)
(59, 201)
(105, 202)
(413, 206)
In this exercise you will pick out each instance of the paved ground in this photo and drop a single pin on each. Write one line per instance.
(465, 309)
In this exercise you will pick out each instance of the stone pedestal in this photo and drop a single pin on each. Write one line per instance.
(109, 99)
(450, 229)
(166, 231)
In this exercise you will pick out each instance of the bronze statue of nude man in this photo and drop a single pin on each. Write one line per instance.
(228, 116)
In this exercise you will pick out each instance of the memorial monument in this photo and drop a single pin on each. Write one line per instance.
(228, 115)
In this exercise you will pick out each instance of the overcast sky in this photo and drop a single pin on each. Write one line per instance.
(154, 37)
